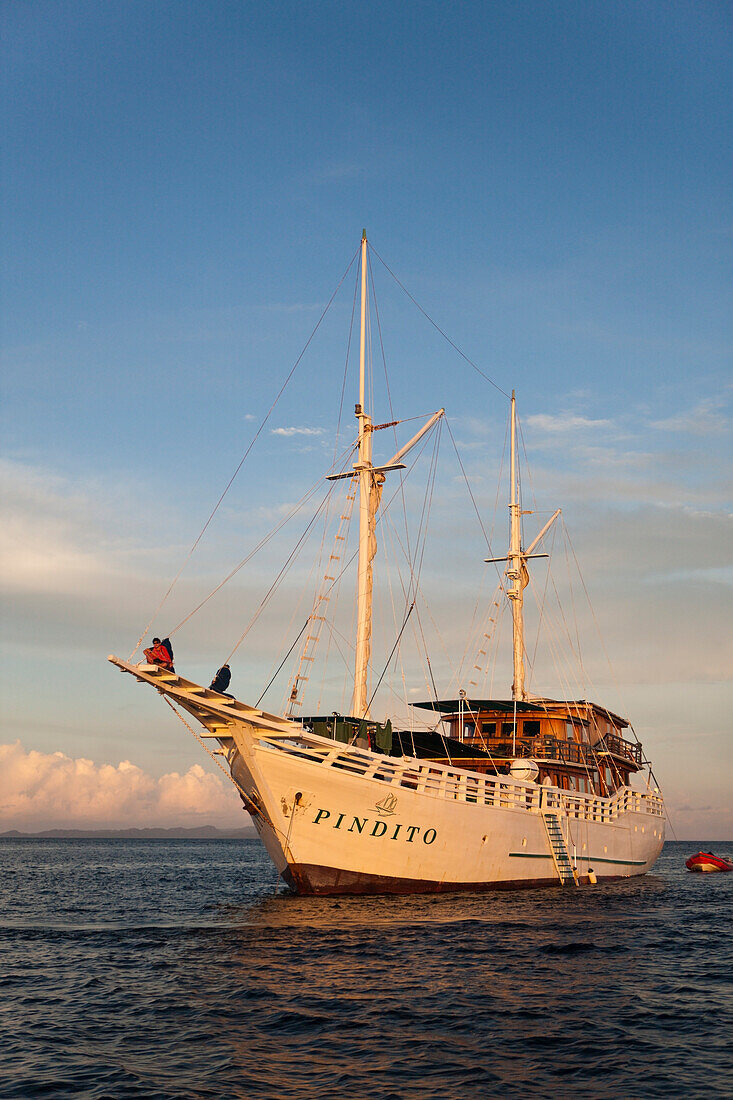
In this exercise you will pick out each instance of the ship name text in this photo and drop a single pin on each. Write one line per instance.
(391, 830)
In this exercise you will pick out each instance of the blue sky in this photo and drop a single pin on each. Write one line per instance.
(183, 186)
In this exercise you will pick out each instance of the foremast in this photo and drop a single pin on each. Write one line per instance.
(371, 480)
(370, 489)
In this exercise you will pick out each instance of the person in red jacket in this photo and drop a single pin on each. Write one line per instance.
(159, 654)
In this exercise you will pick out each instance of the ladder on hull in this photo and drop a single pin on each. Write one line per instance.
(559, 849)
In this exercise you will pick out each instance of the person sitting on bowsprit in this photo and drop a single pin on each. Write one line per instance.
(160, 653)
(221, 681)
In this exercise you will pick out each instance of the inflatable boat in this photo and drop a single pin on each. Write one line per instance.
(706, 861)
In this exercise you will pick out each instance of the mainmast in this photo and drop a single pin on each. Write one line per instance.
(371, 479)
(366, 520)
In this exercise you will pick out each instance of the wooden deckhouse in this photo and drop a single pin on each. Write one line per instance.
(576, 745)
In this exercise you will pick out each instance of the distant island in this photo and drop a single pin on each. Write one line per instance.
(201, 832)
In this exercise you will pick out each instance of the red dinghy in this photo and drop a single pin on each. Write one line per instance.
(706, 861)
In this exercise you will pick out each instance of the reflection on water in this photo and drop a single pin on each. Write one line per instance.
(174, 970)
(285, 909)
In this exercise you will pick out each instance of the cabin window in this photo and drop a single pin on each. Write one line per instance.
(488, 729)
(507, 729)
(469, 730)
(531, 729)
(569, 731)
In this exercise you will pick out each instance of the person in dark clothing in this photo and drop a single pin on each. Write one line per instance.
(221, 681)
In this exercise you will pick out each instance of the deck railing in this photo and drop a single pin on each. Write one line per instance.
(620, 747)
(438, 781)
(569, 752)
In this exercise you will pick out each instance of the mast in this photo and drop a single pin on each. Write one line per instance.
(359, 706)
(516, 571)
(371, 481)
(516, 568)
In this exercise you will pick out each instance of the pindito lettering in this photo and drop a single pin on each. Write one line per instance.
(380, 828)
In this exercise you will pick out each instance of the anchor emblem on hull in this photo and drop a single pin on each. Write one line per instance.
(386, 807)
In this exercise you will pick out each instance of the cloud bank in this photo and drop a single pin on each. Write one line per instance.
(51, 790)
(708, 417)
(83, 561)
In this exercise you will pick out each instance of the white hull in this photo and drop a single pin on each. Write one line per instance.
(367, 823)
(345, 835)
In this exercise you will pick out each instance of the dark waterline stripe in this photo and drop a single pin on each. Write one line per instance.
(587, 859)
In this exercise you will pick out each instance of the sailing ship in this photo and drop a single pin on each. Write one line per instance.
(497, 793)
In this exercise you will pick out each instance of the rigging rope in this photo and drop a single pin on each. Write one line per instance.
(263, 542)
(437, 326)
(394, 647)
(321, 598)
(244, 457)
(595, 620)
(259, 811)
(279, 667)
(411, 591)
(381, 341)
(468, 486)
(335, 580)
(346, 365)
(543, 602)
(280, 575)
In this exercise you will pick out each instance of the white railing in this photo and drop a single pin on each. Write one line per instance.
(439, 781)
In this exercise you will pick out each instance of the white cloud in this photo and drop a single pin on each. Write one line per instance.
(706, 418)
(290, 307)
(335, 171)
(51, 790)
(565, 422)
(297, 431)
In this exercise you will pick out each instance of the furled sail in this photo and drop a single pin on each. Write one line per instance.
(375, 497)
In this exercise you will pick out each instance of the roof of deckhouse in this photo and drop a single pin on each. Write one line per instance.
(538, 706)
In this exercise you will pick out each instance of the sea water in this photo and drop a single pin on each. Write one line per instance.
(181, 969)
